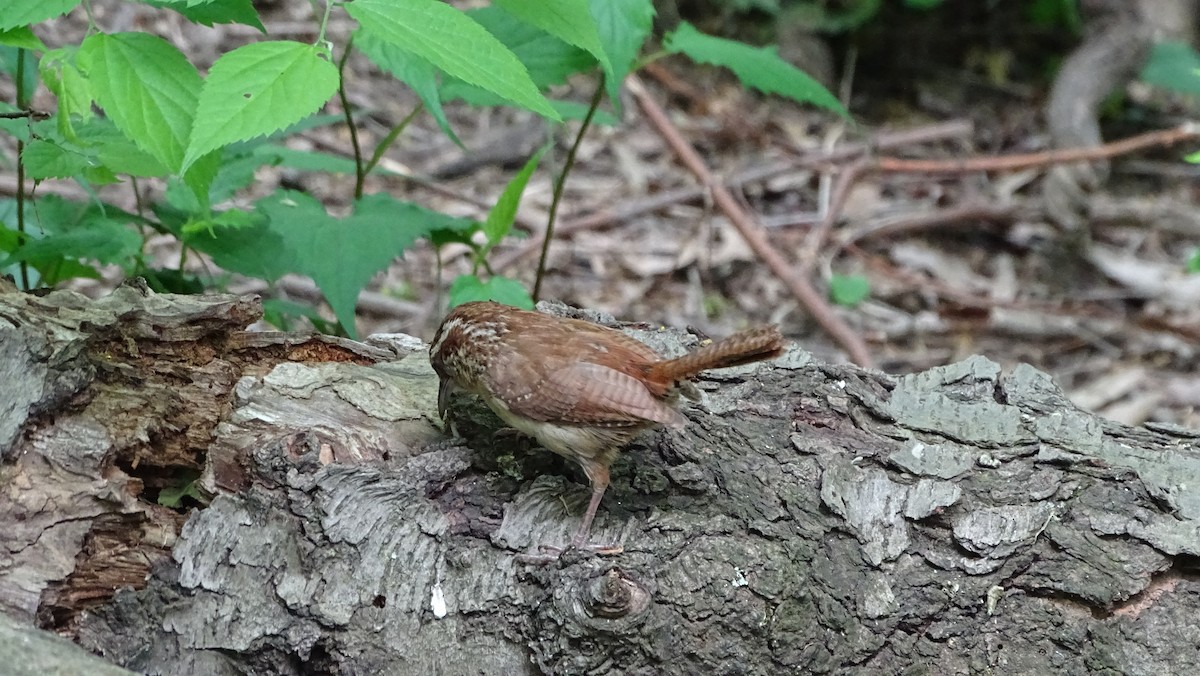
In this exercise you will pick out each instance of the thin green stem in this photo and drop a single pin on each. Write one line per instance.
(561, 182)
(23, 104)
(391, 137)
(360, 172)
(324, 20)
(648, 59)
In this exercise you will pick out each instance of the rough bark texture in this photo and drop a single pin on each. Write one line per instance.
(810, 518)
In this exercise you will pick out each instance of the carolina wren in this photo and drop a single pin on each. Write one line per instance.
(582, 390)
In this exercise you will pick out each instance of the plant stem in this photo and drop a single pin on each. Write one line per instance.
(561, 182)
(391, 137)
(360, 174)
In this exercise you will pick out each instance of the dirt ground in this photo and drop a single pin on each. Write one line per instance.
(958, 263)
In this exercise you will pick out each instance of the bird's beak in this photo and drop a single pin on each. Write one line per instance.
(445, 387)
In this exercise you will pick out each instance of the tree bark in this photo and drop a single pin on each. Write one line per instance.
(810, 518)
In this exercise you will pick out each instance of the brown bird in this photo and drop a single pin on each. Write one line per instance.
(582, 390)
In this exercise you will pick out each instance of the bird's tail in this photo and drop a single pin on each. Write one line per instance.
(742, 348)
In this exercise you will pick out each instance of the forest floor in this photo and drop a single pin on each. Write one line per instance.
(958, 263)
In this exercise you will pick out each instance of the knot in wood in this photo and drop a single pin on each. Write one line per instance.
(613, 595)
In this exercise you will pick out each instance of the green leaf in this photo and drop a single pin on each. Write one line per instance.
(306, 160)
(115, 151)
(21, 38)
(1193, 264)
(849, 290)
(258, 89)
(215, 11)
(410, 69)
(58, 70)
(500, 218)
(624, 26)
(1175, 66)
(77, 232)
(44, 159)
(17, 127)
(10, 58)
(172, 496)
(147, 88)
(468, 288)
(758, 67)
(1193, 158)
(24, 12)
(277, 312)
(548, 60)
(343, 255)
(451, 41)
(170, 280)
(568, 20)
(461, 232)
(251, 248)
(571, 110)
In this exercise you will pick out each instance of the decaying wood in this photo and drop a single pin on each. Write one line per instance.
(810, 518)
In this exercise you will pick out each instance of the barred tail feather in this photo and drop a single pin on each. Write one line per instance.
(741, 348)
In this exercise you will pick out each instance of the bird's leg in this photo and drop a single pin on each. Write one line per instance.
(598, 475)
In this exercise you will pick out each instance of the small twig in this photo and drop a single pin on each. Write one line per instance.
(752, 232)
(817, 236)
(22, 114)
(817, 239)
(1162, 138)
(635, 208)
(911, 223)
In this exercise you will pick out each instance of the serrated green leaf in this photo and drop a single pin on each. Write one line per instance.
(44, 159)
(215, 11)
(252, 249)
(758, 67)
(548, 60)
(99, 239)
(624, 26)
(568, 20)
(438, 33)
(461, 232)
(148, 89)
(410, 69)
(25, 12)
(500, 217)
(96, 175)
(469, 288)
(200, 175)
(343, 255)
(258, 89)
(849, 290)
(21, 37)
(115, 151)
(1175, 66)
